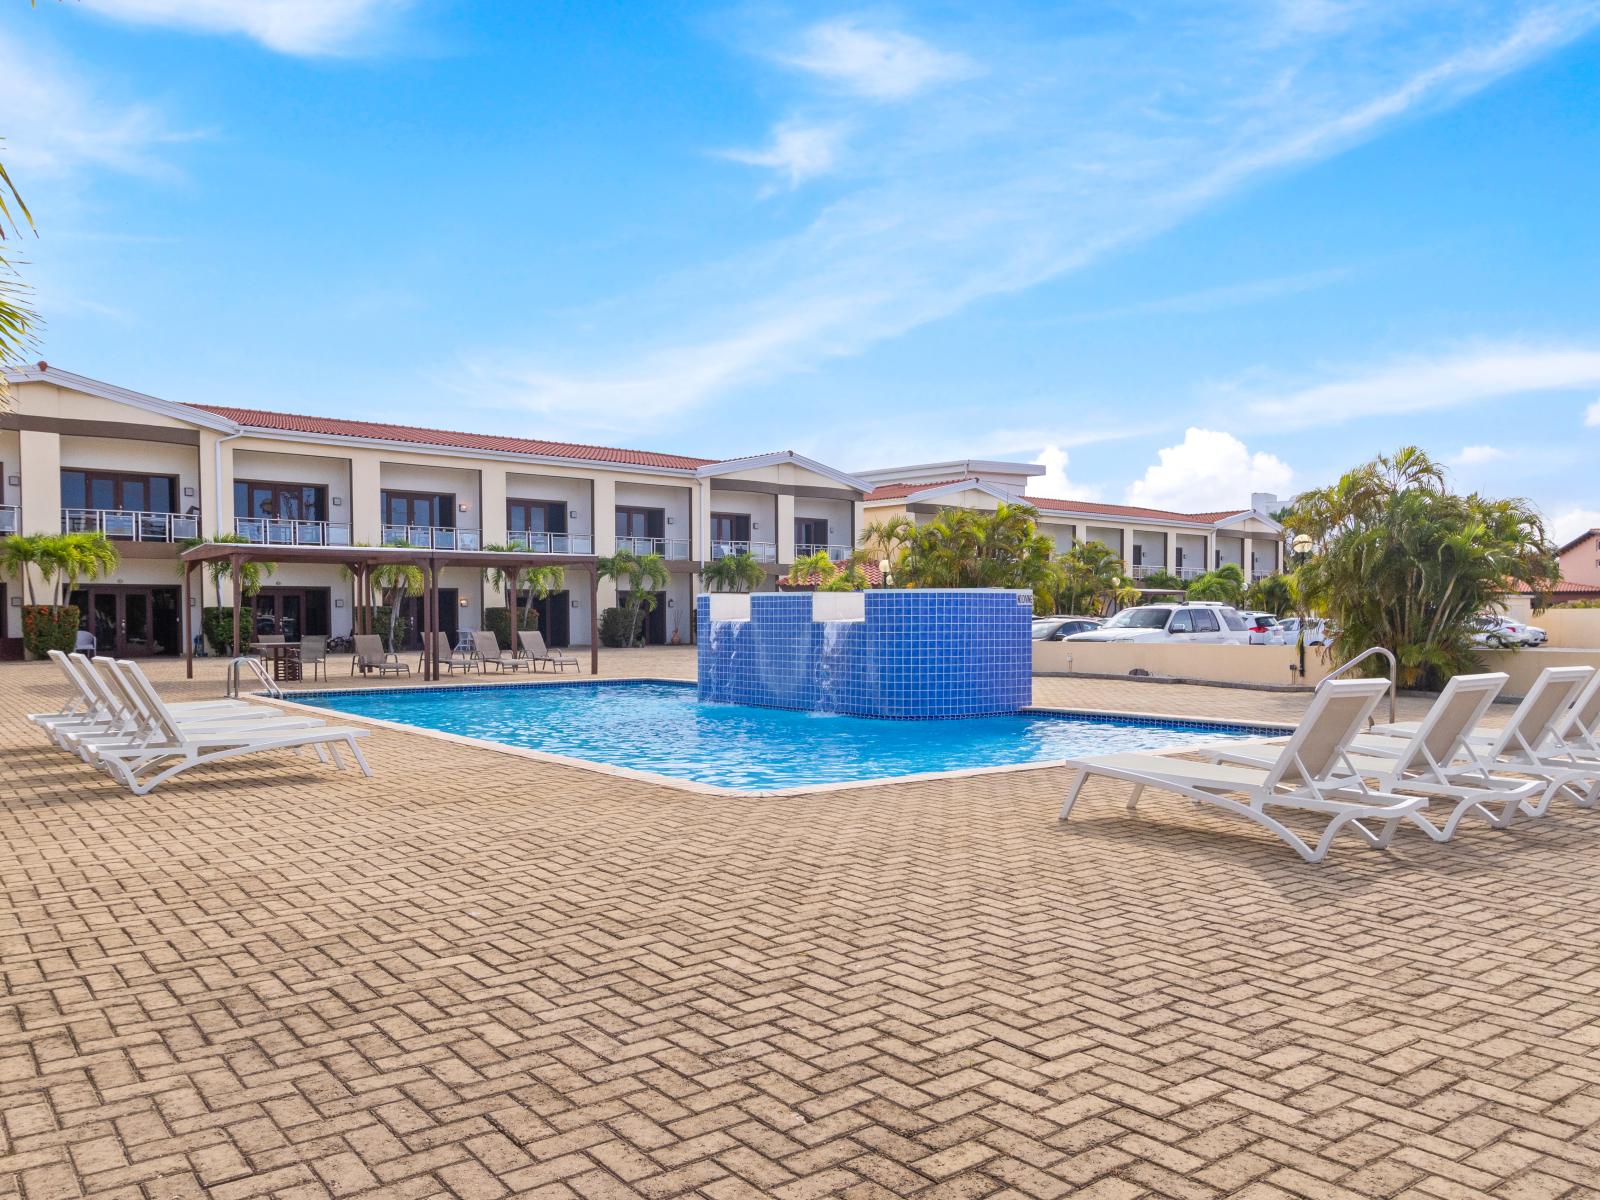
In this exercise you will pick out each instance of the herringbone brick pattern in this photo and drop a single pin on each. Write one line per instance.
(478, 976)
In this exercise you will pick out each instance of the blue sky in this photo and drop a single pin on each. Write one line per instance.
(1175, 251)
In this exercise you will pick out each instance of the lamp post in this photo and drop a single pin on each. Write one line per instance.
(1302, 550)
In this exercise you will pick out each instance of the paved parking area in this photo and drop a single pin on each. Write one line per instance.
(478, 976)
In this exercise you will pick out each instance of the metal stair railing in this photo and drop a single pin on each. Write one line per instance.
(1394, 673)
(257, 669)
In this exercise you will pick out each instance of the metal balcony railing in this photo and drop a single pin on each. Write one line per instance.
(668, 548)
(760, 551)
(10, 518)
(834, 551)
(278, 531)
(433, 537)
(130, 526)
(551, 543)
(1189, 572)
(1145, 570)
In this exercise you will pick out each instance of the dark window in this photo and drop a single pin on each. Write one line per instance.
(436, 509)
(1205, 621)
(1182, 622)
(536, 516)
(280, 501)
(810, 531)
(730, 527)
(118, 491)
(642, 522)
(1232, 619)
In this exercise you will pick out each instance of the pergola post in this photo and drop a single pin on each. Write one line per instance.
(594, 621)
(238, 596)
(188, 620)
(433, 619)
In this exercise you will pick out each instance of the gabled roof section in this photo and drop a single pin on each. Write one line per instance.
(382, 431)
(43, 372)
(1047, 504)
(732, 466)
(1579, 540)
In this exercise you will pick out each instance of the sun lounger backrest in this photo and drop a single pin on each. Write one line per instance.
(369, 647)
(487, 645)
(1541, 710)
(1336, 714)
(1582, 719)
(127, 703)
(105, 696)
(1451, 720)
(533, 644)
(134, 680)
(83, 692)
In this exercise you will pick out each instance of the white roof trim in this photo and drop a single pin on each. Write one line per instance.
(110, 391)
(945, 489)
(732, 466)
(1247, 515)
(963, 467)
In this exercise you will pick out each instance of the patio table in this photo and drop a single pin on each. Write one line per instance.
(285, 659)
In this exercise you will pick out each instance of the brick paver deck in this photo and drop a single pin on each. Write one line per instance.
(478, 976)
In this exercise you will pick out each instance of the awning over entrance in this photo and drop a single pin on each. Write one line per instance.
(360, 561)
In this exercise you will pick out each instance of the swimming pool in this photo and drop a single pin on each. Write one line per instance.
(662, 728)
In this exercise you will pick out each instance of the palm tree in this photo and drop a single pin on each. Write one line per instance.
(17, 317)
(252, 575)
(1225, 584)
(643, 575)
(883, 541)
(733, 573)
(394, 581)
(818, 565)
(1092, 580)
(964, 549)
(85, 556)
(18, 553)
(537, 581)
(1400, 561)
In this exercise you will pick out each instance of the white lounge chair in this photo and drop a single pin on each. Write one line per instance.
(1423, 762)
(178, 747)
(1309, 775)
(536, 652)
(1579, 726)
(490, 654)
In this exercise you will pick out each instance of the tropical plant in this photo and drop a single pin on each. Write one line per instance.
(17, 317)
(733, 573)
(19, 552)
(883, 541)
(47, 627)
(1400, 561)
(80, 556)
(820, 572)
(1274, 594)
(1224, 584)
(522, 585)
(1091, 580)
(393, 582)
(1162, 580)
(962, 549)
(641, 576)
(252, 575)
(620, 627)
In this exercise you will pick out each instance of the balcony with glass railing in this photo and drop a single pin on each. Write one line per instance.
(10, 519)
(432, 537)
(1145, 570)
(674, 549)
(130, 526)
(833, 550)
(551, 543)
(1189, 572)
(760, 551)
(280, 531)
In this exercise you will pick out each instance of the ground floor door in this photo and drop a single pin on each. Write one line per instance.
(449, 617)
(655, 621)
(291, 613)
(554, 614)
(131, 622)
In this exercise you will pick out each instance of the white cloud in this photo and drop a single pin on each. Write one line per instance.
(1207, 472)
(1078, 147)
(1575, 521)
(1054, 484)
(1591, 415)
(57, 121)
(881, 64)
(309, 27)
(797, 152)
(1474, 456)
(1445, 381)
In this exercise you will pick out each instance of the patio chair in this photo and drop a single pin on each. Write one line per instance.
(176, 747)
(489, 652)
(449, 657)
(536, 652)
(1579, 726)
(1310, 775)
(313, 655)
(371, 656)
(1422, 762)
(95, 708)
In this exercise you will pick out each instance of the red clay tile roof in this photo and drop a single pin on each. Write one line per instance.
(254, 418)
(899, 491)
(1565, 589)
(869, 569)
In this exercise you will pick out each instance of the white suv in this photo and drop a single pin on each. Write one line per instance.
(1206, 622)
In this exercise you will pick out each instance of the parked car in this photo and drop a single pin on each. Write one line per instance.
(1053, 629)
(1536, 636)
(1199, 622)
(1318, 631)
(1263, 628)
(1491, 629)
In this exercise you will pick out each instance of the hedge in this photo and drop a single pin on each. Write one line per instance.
(614, 627)
(47, 627)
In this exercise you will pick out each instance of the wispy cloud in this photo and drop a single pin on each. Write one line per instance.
(1571, 523)
(796, 151)
(1591, 415)
(301, 27)
(1217, 299)
(1477, 456)
(1063, 151)
(878, 63)
(1444, 381)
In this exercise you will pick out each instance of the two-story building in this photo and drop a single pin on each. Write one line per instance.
(80, 454)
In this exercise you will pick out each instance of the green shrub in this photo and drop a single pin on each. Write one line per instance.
(498, 622)
(614, 627)
(380, 625)
(217, 625)
(47, 627)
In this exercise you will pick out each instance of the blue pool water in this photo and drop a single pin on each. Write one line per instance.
(663, 728)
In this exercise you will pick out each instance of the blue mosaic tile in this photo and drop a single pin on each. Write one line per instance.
(916, 654)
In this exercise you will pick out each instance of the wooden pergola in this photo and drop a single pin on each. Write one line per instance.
(361, 561)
